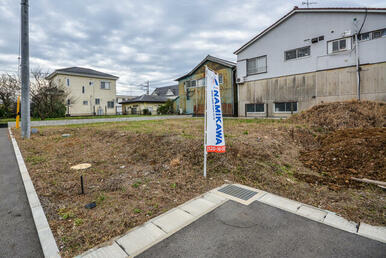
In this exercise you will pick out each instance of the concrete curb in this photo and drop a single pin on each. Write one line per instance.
(159, 228)
(47, 240)
(99, 120)
(319, 215)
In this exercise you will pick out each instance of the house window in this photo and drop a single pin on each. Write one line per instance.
(255, 108)
(83, 89)
(286, 107)
(105, 85)
(187, 84)
(68, 102)
(364, 36)
(110, 104)
(68, 82)
(97, 101)
(377, 34)
(257, 65)
(220, 79)
(85, 102)
(297, 53)
(201, 82)
(91, 83)
(339, 45)
(193, 83)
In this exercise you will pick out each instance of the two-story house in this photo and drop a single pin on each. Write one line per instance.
(89, 92)
(310, 56)
(191, 88)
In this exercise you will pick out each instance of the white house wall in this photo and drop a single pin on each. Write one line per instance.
(292, 33)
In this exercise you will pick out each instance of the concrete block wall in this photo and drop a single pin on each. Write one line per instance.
(313, 88)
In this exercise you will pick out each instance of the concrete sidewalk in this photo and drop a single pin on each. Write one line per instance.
(18, 233)
(260, 230)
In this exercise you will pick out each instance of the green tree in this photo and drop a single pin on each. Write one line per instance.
(166, 108)
(9, 89)
(47, 98)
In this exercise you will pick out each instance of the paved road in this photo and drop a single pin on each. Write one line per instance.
(99, 120)
(259, 230)
(18, 236)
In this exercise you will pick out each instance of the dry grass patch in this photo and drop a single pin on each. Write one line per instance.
(142, 169)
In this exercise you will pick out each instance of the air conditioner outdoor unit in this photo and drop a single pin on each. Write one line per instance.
(240, 80)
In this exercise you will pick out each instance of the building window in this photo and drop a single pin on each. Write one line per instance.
(377, 34)
(105, 85)
(220, 79)
(110, 104)
(257, 65)
(364, 36)
(339, 45)
(193, 83)
(286, 107)
(91, 83)
(68, 102)
(297, 53)
(85, 102)
(68, 82)
(255, 108)
(97, 101)
(187, 84)
(83, 89)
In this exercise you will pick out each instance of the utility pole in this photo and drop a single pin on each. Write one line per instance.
(25, 90)
(148, 88)
(308, 3)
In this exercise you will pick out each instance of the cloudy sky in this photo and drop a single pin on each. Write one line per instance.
(139, 40)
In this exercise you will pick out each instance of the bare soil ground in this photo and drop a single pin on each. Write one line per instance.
(343, 115)
(142, 169)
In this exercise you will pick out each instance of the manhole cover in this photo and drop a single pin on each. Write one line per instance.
(238, 192)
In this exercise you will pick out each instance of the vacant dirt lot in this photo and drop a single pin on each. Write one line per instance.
(141, 169)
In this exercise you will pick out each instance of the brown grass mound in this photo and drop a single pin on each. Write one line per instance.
(341, 115)
(348, 153)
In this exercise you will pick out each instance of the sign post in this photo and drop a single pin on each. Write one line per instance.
(18, 112)
(214, 140)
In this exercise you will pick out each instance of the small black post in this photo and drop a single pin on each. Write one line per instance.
(81, 183)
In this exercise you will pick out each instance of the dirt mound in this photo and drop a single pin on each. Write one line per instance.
(341, 115)
(346, 153)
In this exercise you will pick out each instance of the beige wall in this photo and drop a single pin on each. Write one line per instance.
(314, 88)
(92, 92)
(152, 107)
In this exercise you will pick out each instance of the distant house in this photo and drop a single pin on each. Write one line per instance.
(90, 92)
(118, 100)
(142, 104)
(170, 92)
(192, 91)
(310, 56)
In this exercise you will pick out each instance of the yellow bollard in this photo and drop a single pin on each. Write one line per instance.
(18, 112)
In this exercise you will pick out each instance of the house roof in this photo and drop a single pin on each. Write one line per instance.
(83, 72)
(146, 98)
(209, 58)
(308, 10)
(162, 91)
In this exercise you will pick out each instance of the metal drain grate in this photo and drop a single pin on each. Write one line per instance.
(238, 192)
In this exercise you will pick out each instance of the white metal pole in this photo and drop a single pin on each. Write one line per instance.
(205, 132)
(25, 101)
